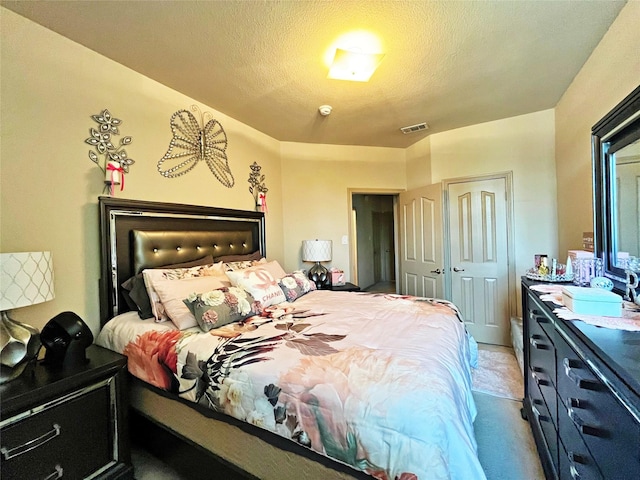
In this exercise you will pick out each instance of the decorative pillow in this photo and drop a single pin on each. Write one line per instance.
(260, 283)
(172, 293)
(242, 264)
(216, 308)
(153, 275)
(249, 257)
(296, 285)
(135, 291)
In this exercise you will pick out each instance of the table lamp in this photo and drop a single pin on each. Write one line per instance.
(317, 251)
(25, 279)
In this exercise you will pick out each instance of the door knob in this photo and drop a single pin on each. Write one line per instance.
(456, 269)
(437, 271)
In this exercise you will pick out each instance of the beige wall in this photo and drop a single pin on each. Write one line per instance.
(610, 74)
(419, 164)
(316, 180)
(48, 186)
(523, 145)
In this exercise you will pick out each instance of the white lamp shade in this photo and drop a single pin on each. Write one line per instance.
(316, 250)
(25, 279)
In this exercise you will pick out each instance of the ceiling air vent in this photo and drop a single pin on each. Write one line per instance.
(414, 128)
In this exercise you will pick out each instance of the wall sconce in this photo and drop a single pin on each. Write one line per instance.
(317, 251)
(116, 161)
(25, 279)
(353, 65)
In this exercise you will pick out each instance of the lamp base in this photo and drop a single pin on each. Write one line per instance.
(319, 275)
(19, 346)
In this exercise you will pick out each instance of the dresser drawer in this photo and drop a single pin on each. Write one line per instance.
(71, 438)
(608, 430)
(542, 421)
(575, 459)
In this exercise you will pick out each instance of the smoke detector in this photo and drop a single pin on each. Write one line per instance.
(324, 110)
(414, 128)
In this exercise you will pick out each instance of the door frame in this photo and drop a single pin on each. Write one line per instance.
(511, 264)
(353, 253)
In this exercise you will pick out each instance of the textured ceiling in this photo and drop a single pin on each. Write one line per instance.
(447, 63)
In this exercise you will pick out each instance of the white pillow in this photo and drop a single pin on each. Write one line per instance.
(151, 276)
(172, 294)
(261, 281)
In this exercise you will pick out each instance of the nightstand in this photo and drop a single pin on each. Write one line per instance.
(68, 421)
(347, 287)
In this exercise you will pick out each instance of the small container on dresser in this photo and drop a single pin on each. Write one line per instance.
(67, 422)
(582, 394)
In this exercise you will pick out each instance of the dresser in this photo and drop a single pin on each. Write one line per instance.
(67, 422)
(582, 394)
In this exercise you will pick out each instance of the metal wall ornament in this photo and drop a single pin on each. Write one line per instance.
(193, 142)
(257, 187)
(116, 162)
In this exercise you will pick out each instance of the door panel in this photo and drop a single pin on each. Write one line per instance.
(421, 257)
(479, 259)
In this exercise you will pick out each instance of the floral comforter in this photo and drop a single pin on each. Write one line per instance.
(379, 382)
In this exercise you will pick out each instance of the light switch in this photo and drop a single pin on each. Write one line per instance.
(345, 240)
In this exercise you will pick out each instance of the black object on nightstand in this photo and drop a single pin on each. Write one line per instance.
(347, 287)
(69, 421)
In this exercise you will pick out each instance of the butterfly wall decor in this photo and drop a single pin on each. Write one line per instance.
(193, 142)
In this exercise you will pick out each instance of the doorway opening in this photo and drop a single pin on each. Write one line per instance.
(374, 241)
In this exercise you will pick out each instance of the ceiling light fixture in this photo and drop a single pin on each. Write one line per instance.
(353, 65)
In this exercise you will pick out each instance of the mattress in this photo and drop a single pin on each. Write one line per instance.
(378, 382)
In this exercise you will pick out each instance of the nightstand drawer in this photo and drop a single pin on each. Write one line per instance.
(69, 438)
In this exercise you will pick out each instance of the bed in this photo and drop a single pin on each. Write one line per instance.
(312, 384)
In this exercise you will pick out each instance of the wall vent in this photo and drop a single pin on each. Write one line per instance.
(414, 128)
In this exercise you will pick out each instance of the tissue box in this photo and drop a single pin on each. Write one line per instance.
(337, 277)
(592, 301)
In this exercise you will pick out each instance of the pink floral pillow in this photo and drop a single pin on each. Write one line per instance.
(222, 306)
(153, 276)
(296, 285)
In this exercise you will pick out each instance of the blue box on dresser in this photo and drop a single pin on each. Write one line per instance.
(592, 301)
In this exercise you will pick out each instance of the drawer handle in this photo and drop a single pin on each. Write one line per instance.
(536, 344)
(575, 458)
(539, 381)
(585, 384)
(31, 444)
(55, 475)
(574, 471)
(581, 426)
(539, 416)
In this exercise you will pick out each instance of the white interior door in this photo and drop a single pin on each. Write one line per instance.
(479, 259)
(421, 258)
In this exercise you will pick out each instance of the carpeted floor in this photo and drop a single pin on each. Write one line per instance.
(505, 445)
(498, 373)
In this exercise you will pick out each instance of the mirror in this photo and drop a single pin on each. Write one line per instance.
(616, 164)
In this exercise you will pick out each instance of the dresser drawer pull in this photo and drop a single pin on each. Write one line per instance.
(55, 475)
(539, 381)
(583, 383)
(538, 316)
(31, 444)
(536, 344)
(539, 416)
(581, 426)
(575, 458)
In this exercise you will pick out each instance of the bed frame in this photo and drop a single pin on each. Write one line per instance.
(164, 234)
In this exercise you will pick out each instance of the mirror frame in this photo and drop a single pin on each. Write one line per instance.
(620, 127)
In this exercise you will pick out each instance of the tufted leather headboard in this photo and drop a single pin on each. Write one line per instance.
(135, 235)
(152, 249)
